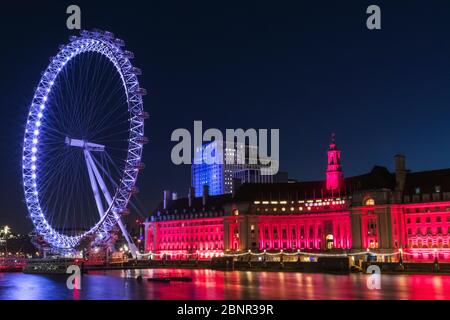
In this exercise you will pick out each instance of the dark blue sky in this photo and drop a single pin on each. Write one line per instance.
(307, 68)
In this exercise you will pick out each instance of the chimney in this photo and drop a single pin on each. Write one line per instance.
(167, 198)
(174, 196)
(205, 194)
(236, 185)
(191, 195)
(400, 172)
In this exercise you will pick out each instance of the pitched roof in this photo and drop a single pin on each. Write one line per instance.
(280, 191)
(378, 178)
(427, 181)
(182, 204)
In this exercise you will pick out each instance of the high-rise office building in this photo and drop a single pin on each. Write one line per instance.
(211, 168)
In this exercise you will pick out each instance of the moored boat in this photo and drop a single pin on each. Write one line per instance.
(12, 264)
(50, 266)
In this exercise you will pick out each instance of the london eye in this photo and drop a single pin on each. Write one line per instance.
(83, 142)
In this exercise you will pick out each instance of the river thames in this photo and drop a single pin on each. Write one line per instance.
(208, 284)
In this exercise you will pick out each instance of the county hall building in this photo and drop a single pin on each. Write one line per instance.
(380, 211)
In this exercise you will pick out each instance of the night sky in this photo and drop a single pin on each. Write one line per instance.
(309, 68)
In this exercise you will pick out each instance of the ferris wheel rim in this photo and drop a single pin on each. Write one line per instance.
(106, 44)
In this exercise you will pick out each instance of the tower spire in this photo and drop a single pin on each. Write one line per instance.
(335, 176)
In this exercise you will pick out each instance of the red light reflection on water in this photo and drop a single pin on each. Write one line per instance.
(209, 284)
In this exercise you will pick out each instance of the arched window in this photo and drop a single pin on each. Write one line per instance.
(369, 202)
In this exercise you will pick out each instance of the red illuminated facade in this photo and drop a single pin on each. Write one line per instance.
(335, 176)
(383, 211)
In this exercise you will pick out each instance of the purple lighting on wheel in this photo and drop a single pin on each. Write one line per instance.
(105, 45)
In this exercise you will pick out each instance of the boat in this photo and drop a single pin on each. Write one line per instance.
(50, 266)
(12, 264)
(169, 278)
(181, 279)
(165, 280)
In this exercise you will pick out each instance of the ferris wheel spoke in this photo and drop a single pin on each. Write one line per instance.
(105, 118)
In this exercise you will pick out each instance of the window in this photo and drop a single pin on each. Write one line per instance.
(438, 219)
(417, 220)
(408, 220)
(437, 189)
(417, 190)
(428, 219)
(370, 202)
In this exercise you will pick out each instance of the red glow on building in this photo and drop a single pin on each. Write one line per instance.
(319, 232)
(402, 214)
(424, 229)
(182, 239)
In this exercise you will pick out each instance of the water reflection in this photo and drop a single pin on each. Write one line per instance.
(208, 284)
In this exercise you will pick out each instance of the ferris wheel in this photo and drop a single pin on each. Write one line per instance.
(83, 142)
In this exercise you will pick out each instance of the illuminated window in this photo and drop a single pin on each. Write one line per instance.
(370, 202)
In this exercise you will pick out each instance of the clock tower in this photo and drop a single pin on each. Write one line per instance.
(335, 176)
